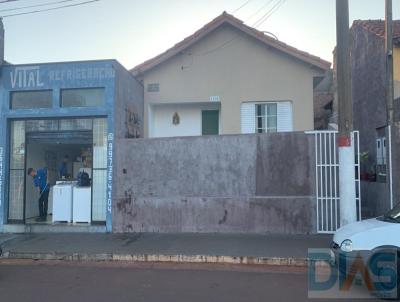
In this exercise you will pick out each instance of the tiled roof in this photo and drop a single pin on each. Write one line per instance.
(226, 18)
(377, 27)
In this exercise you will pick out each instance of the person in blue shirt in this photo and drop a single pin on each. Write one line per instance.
(40, 181)
(63, 168)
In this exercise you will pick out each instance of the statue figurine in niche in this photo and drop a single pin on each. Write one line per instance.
(176, 119)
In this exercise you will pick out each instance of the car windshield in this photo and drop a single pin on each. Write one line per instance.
(393, 214)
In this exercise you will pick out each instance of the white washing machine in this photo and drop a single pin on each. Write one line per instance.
(62, 202)
(82, 204)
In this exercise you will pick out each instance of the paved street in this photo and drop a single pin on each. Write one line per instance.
(237, 245)
(63, 281)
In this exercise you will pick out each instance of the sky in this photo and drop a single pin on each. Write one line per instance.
(133, 31)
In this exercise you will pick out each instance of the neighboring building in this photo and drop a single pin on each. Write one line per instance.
(368, 61)
(368, 69)
(49, 110)
(323, 102)
(229, 78)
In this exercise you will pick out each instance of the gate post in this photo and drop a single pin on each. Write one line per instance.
(347, 189)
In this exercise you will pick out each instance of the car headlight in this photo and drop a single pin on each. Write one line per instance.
(346, 246)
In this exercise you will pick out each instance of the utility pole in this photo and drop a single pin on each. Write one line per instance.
(347, 188)
(389, 97)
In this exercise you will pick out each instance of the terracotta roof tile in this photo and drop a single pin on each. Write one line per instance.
(226, 18)
(377, 27)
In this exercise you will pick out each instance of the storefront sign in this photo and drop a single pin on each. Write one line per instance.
(90, 73)
(26, 77)
(110, 171)
(1, 174)
(34, 76)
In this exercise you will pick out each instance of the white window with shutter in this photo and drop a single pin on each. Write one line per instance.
(285, 117)
(264, 117)
(248, 118)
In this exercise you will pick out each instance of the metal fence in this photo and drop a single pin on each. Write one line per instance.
(327, 179)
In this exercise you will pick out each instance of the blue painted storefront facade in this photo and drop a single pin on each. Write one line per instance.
(55, 77)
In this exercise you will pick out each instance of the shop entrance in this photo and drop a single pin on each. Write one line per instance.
(65, 149)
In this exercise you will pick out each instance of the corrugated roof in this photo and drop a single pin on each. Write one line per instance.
(226, 18)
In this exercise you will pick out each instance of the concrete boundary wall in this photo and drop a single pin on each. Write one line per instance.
(230, 184)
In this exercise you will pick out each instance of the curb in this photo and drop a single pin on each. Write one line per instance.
(148, 258)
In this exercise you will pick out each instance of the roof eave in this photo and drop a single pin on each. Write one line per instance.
(238, 24)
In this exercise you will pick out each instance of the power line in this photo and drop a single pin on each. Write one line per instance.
(5, 1)
(36, 5)
(279, 6)
(240, 7)
(273, 12)
(228, 42)
(50, 9)
(260, 9)
(223, 45)
(268, 14)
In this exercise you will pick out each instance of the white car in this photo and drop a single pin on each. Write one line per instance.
(370, 237)
(371, 234)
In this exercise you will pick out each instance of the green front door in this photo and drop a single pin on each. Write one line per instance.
(210, 122)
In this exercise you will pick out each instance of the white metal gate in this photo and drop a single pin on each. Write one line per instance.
(327, 179)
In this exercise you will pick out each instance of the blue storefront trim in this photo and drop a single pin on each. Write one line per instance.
(55, 77)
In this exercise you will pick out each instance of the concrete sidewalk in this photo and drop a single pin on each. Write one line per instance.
(152, 247)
